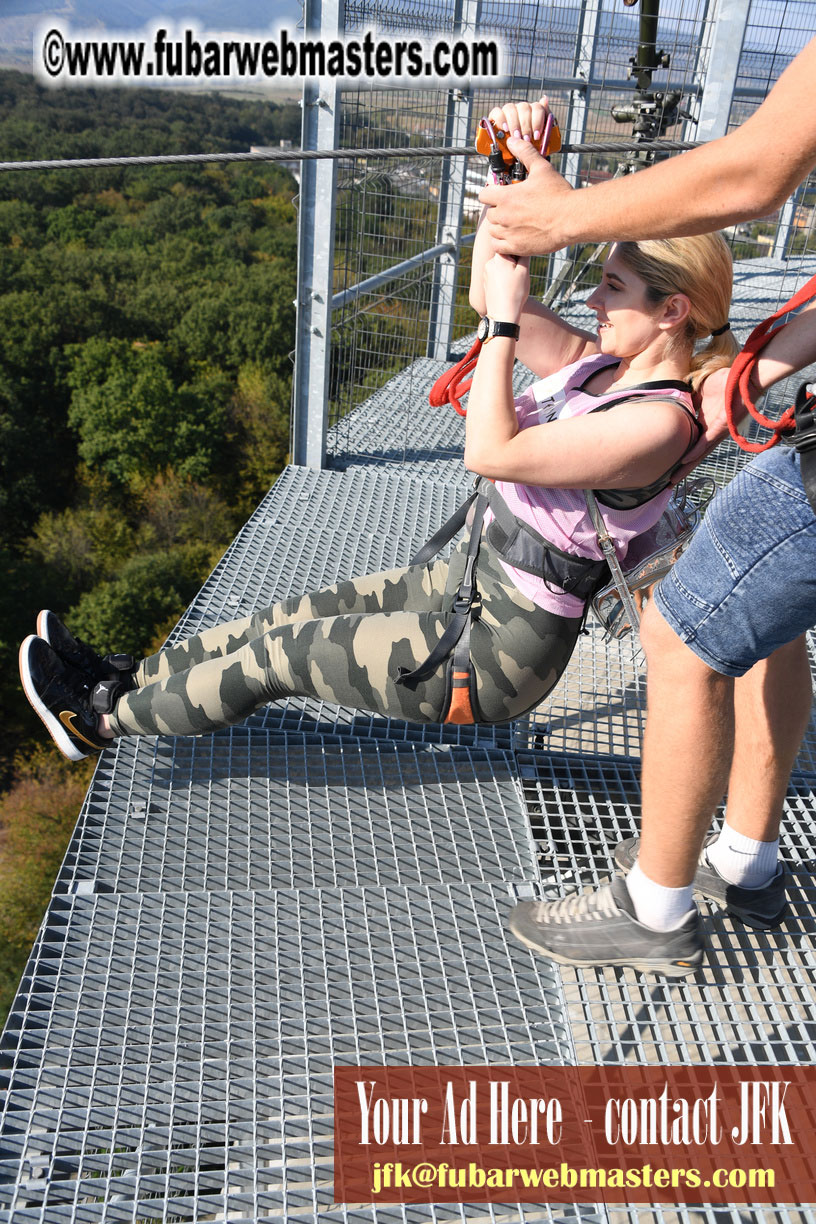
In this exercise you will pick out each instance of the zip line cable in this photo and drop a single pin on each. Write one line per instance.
(289, 155)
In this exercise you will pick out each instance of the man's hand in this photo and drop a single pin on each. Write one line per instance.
(526, 218)
(713, 421)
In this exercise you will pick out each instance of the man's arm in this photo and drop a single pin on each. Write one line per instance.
(743, 175)
(793, 348)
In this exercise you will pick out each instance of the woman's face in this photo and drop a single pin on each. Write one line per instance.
(627, 322)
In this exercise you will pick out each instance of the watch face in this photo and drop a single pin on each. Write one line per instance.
(483, 329)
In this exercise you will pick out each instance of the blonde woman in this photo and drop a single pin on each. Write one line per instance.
(486, 635)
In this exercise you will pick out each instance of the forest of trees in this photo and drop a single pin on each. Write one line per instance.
(146, 322)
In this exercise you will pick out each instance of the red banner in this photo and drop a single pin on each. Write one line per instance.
(614, 1134)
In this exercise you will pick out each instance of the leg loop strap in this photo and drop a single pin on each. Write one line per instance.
(454, 645)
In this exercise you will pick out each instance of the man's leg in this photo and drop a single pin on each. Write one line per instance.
(742, 733)
(686, 753)
(744, 591)
(772, 705)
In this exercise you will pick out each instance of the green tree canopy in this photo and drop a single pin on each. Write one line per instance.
(131, 417)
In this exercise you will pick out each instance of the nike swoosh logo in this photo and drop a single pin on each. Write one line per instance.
(744, 853)
(67, 719)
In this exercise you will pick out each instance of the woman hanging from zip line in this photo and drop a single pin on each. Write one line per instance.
(486, 635)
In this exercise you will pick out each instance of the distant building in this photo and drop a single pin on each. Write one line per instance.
(803, 217)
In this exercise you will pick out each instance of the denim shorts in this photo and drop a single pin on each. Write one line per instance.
(747, 583)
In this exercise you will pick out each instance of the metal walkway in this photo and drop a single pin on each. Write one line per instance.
(239, 913)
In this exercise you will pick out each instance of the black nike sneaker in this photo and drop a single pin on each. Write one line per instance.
(81, 656)
(62, 698)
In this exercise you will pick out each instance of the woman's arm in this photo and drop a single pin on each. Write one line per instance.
(791, 349)
(546, 343)
(627, 447)
(527, 120)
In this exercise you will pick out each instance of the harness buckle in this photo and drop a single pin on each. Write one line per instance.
(469, 603)
(805, 439)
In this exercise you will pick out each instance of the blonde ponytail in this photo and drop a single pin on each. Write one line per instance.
(718, 353)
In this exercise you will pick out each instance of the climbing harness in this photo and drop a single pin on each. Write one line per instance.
(650, 556)
(520, 546)
(460, 704)
(797, 423)
(517, 544)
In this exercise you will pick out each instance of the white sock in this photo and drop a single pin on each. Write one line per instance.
(658, 907)
(742, 860)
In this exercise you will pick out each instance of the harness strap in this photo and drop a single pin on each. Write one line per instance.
(521, 546)
(608, 549)
(631, 499)
(466, 605)
(461, 682)
(515, 542)
(445, 533)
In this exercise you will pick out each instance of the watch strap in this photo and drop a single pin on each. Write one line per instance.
(510, 331)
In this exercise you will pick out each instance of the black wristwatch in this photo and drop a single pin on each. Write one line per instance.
(488, 328)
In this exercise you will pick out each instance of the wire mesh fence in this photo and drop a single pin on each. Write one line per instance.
(386, 213)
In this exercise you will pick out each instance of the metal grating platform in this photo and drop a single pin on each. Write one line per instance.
(179, 1048)
(754, 1003)
(240, 912)
(248, 810)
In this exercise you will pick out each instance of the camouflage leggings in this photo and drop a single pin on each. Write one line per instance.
(346, 644)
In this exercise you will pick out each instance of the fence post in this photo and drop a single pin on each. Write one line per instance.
(785, 228)
(451, 197)
(721, 70)
(574, 130)
(318, 190)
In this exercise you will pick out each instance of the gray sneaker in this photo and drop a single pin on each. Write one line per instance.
(600, 928)
(760, 908)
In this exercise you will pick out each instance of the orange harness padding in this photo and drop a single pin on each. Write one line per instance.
(738, 386)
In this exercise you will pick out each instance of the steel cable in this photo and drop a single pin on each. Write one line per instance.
(289, 155)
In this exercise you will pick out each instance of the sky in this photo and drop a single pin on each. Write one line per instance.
(19, 18)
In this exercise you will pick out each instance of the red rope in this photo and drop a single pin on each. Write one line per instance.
(738, 386)
(450, 386)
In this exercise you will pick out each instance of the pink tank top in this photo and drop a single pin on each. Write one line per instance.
(561, 515)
